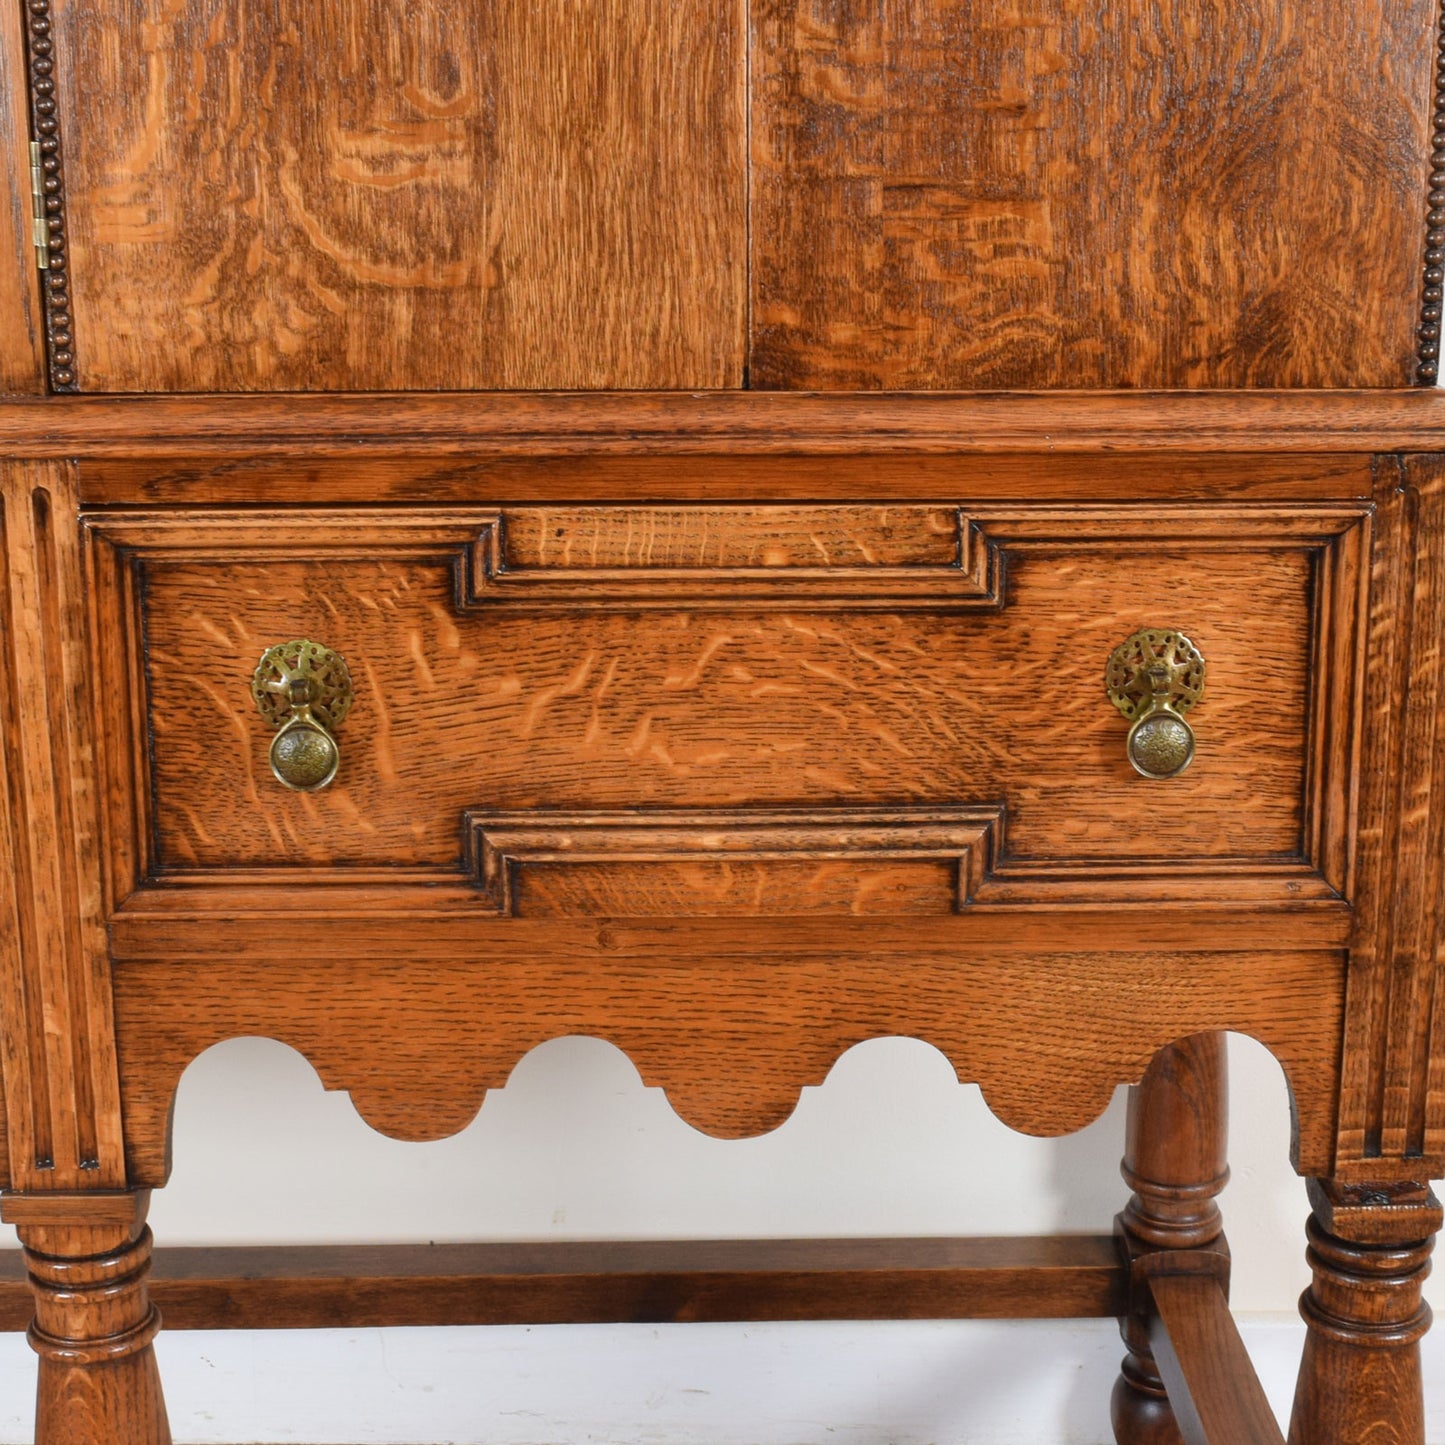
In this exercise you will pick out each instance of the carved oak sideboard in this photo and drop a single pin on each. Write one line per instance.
(738, 529)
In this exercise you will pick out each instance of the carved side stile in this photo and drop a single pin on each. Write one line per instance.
(1392, 1112)
(61, 1086)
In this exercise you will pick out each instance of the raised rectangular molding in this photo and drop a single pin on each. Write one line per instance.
(846, 557)
(730, 862)
(919, 557)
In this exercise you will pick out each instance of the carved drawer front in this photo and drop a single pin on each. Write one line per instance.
(694, 710)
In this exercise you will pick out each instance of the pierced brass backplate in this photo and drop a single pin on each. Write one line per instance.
(1153, 678)
(304, 690)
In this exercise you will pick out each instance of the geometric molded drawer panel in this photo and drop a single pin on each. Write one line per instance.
(851, 557)
(634, 702)
(676, 864)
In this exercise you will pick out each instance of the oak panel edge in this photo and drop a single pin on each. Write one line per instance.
(561, 423)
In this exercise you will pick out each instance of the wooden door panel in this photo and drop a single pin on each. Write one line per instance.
(1061, 193)
(866, 749)
(270, 195)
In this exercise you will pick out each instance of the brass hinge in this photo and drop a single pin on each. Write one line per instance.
(40, 229)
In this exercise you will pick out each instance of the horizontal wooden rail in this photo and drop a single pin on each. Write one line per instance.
(1212, 1386)
(306, 1287)
(542, 423)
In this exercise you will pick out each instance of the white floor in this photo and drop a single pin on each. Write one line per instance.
(839, 1384)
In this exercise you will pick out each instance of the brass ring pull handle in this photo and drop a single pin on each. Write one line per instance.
(304, 690)
(1154, 679)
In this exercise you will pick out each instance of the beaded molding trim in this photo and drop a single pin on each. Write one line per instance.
(1433, 294)
(45, 118)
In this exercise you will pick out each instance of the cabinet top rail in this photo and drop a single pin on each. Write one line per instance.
(559, 423)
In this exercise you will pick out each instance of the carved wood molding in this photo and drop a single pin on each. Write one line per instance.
(845, 558)
(538, 559)
(120, 545)
(916, 557)
(1339, 539)
(742, 862)
(248, 428)
(732, 1032)
(61, 1087)
(45, 118)
(1392, 1110)
(732, 862)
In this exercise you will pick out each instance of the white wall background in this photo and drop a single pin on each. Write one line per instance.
(575, 1147)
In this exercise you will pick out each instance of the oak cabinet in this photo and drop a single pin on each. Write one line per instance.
(739, 529)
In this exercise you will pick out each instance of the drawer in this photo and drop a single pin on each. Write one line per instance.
(705, 710)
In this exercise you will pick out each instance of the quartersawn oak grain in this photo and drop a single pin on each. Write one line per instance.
(731, 1028)
(419, 1006)
(366, 193)
(1197, 193)
(755, 481)
(738, 424)
(414, 196)
(699, 540)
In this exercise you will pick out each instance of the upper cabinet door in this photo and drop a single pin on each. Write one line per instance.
(1086, 193)
(546, 194)
(374, 194)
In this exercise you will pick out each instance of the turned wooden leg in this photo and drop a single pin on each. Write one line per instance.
(1175, 1161)
(88, 1256)
(1359, 1381)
